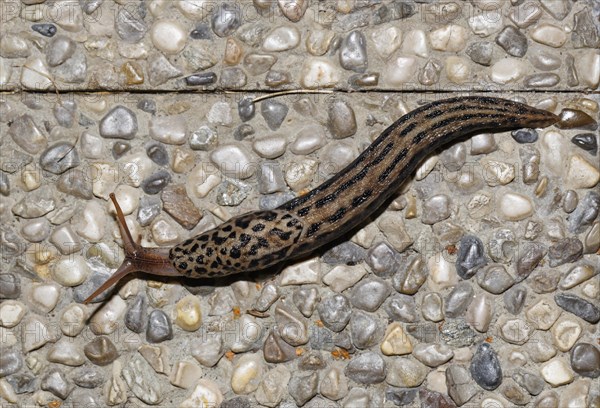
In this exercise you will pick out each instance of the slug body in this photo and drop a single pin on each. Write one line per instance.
(259, 239)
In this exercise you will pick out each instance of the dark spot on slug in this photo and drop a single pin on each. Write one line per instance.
(258, 227)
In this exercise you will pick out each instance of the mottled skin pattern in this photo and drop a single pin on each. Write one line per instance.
(259, 239)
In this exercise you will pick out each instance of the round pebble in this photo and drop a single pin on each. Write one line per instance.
(159, 327)
(188, 313)
(281, 39)
(168, 36)
(515, 207)
(120, 123)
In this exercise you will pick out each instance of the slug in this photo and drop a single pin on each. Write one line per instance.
(259, 239)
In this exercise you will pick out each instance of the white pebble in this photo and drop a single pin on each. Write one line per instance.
(400, 70)
(36, 230)
(308, 140)
(319, 73)
(298, 175)
(549, 34)
(91, 145)
(442, 273)
(128, 198)
(163, 232)
(557, 372)
(5, 71)
(185, 374)
(11, 313)
(38, 326)
(247, 373)
(70, 271)
(107, 319)
(486, 23)
(480, 311)
(168, 129)
(35, 75)
(508, 70)
(281, 39)
(565, 333)
(581, 173)
(452, 38)
(91, 226)
(553, 147)
(342, 277)
(588, 68)
(202, 179)
(415, 43)
(45, 296)
(136, 166)
(220, 114)
(66, 352)
(387, 40)
(169, 36)
(105, 179)
(497, 173)
(301, 273)
(73, 319)
(458, 70)
(426, 167)
(270, 147)
(205, 395)
(67, 14)
(543, 314)
(233, 161)
(515, 207)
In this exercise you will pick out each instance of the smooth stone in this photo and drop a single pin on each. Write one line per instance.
(387, 40)
(514, 393)
(169, 36)
(335, 312)
(142, 381)
(73, 320)
(366, 368)
(515, 331)
(319, 73)
(274, 113)
(67, 353)
(60, 49)
(303, 387)
(494, 278)
(342, 277)
(11, 313)
(36, 230)
(301, 273)
(486, 24)
(545, 61)
(544, 80)
(451, 38)
(460, 387)
(508, 70)
(11, 361)
(160, 70)
(282, 38)
(120, 122)
(543, 281)
(270, 178)
(401, 308)
(565, 332)
(525, 136)
(178, 205)
(353, 52)
(27, 135)
(366, 330)
(370, 293)
(564, 251)
(549, 34)
(515, 207)
(334, 385)
(130, 24)
(10, 286)
(585, 33)
(87, 377)
(405, 372)
(45, 29)
(458, 300)
(247, 374)
(481, 52)
(56, 382)
(270, 147)
(543, 314)
(204, 139)
(432, 307)
(226, 19)
(306, 299)
(168, 129)
(531, 382)
(512, 41)
(106, 319)
(273, 387)
(577, 275)
(159, 327)
(202, 78)
(400, 70)
(581, 173)
(396, 342)
(432, 355)
(485, 368)
(556, 372)
(293, 10)
(45, 297)
(224, 156)
(525, 14)
(71, 271)
(585, 360)
(480, 311)
(586, 141)
(471, 257)
(578, 306)
(35, 75)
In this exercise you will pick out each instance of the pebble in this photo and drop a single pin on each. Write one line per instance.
(99, 274)
(471, 257)
(525, 15)
(27, 135)
(270, 178)
(545, 80)
(156, 182)
(460, 387)
(451, 38)
(77, 183)
(334, 385)
(381, 258)
(585, 360)
(258, 64)
(433, 355)
(578, 306)
(586, 141)
(45, 29)
(564, 251)
(565, 333)
(224, 156)
(335, 312)
(268, 295)
(556, 372)
(130, 24)
(543, 281)
(585, 213)
(35, 230)
(395, 341)
(291, 327)
(45, 297)
(584, 33)
(515, 206)
(157, 357)
(494, 278)
(515, 331)
(87, 377)
(508, 70)
(11, 361)
(530, 381)
(513, 392)
(386, 40)
(270, 147)
(353, 52)
(485, 367)
(543, 314)
(274, 113)
(60, 49)
(185, 374)
(282, 38)
(226, 19)
(486, 24)
(400, 70)
(11, 313)
(169, 36)
(481, 52)
(549, 34)
(247, 374)
(65, 240)
(35, 75)
(206, 392)
(577, 275)
(303, 387)
(56, 382)
(318, 73)
(581, 173)
(370, 293)
(160, 70)
(159, 327)
(404, 372)
(293, 10)
(342, 277)
(202, 78)
(119, 123)
(301, 273)
(366, 368)
(66, 352)
(178, 205)
(168, 129)
(525, 135)
(10, 286)
(70, 271)
(545, 61)
(35, 324)
(141, 381)
(512, 41)
(203, 139)
(106, 320)
(73, 319)
(415, 43)
(366, 330)
(480, 312)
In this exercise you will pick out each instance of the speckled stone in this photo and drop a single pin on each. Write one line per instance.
(457, 333)
(178, 205)
(530, 257)
(512, 41)
(366, 330)
(303, 387)
(119, 123)
(56, 382)
(370, 293)
(586, 212)
(471, 257)
(578, 306)
(335, 312)
(485, 367)
(366, 368)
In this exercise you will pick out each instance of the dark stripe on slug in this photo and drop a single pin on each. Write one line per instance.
(303, 211)
(313, 229)
(327, 199)
(409, 128)
(281, 234)
(358, 200)
(355, 179)
(393, 164)
(386, 150)
(339, 214)
(419, 137)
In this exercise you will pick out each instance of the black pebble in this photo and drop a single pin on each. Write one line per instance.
(203, 78)
(46, 29)
(201, 32)
(586, 141)
(525, 136)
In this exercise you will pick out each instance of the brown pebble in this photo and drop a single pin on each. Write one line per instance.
(101, 351)
(179, 206)
(576, 119)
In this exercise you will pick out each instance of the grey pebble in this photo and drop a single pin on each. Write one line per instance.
(353, 52)
(502, 245)
(565, 251)
(513, 41)
(36, 204)
(433, 399)
(485, 367)
(342, 120)
(585, 34)
(306, 300)
(578, 306)
(10, 286)
(494, 278)
(370, 293)
(119, 123)
(101, 351)
(271, 201)
(430, 74)
(258, 64)
(268, 295)
(159, 327)
(303, 387)
(545, 61)
(366, 330)
(156, 182)
(586, 212)
(426, 332)
(454, 157)
(401, 308)
(367, 368)
(56, 382)
(571, 72)
(160, 69)
(274, 113)
(45, 29)
(481, 52)
(531, 255)
(322, 338)
(514, 392)
(436, 209)
(150, 207)
(27, 135)
(533, 383)
(157, 153)
(232, 192)
(4, 184)
(313, 361)
(87, 377)
(236, 402)
(570, 201)
(471, 256)
(135, 317)
(99, 274)
(277, 78)
(119, 149)
(335, 312)
(457, 333)
(514, 299)
(543, 281)
(74, 69)
(142, 380)
(130, 24)
(59, 158)
(147, 105)
(201, 78)
(459, 383)
(270, 178)
(243, 131)
(396, 10)
(17, 162)
(209, 350)
(381, 258)
(203, 139)
(89, 6)
(11, 361)
(411, 275)
(59, 49)
(22, 383)
(226, 19)
(542, 80)
(586, 141)
(233, 78)
(246, 109)
(65, 112)
(524, 135)
(362, 80)
(585, 360)
(400, 396)
(346, 253)
(459, 299)
(201, 32)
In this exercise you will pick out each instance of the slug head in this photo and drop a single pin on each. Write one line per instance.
(154, 261)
